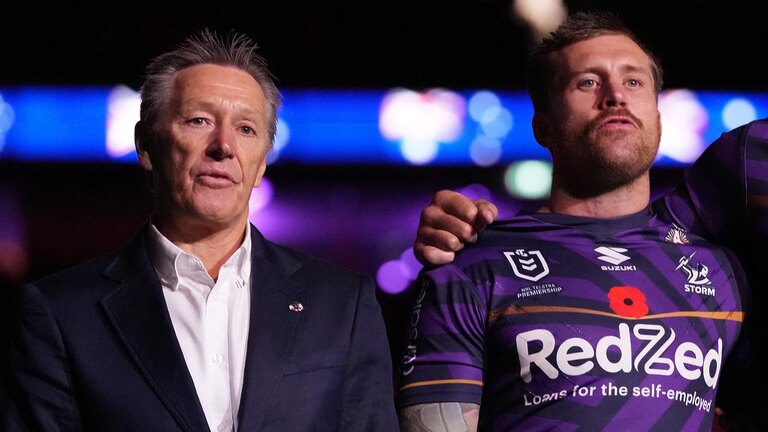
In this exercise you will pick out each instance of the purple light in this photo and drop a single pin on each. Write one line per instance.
(393, 276)
(411, 263)
(684, 119)
(260, 197)
(475, 191)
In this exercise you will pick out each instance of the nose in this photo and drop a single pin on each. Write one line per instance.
(613, 95)
(220, 146)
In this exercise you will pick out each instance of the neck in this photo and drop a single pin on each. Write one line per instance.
(212, 245)
(620, 201)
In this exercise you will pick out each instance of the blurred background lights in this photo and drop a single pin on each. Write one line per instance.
(395, 128)
(485, 151)
(260, 197)
(480, 102)
(123, 106)
(410, 261)
(6, 120)
(684, 119)
(738, 111)
(496, 122)
(529, 179)
(485, 108)
(476, 191)
(419, 151)
(542, 16)
(417, 119)
(395, 276)
(282, 136)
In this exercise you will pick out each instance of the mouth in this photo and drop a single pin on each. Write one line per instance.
(618, 122)
(215, 179)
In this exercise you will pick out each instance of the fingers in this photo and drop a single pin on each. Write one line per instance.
(435, 243)
(455, 230)
(431, 256)
(442, 239)
(447, 224)
(486, 211)
(455, 204)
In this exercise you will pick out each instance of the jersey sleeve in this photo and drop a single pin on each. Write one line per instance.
(443, 355)
(724, 197)
(711, 195)
(724, 194)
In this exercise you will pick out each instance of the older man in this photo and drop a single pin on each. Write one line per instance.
(201, 323)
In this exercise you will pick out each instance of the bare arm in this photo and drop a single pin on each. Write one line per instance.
(449, 222)
(440, 417)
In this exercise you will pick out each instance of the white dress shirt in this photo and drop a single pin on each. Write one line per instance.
(211, 321)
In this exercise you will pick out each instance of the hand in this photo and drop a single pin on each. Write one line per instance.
(448, 223)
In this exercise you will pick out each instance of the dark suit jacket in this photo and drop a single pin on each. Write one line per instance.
(93, 348)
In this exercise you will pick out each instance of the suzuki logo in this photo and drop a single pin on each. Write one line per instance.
(612, 255)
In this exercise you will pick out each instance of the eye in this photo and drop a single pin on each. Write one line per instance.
(197, 121)
(587, 83)
(633, 82)
(247, 130)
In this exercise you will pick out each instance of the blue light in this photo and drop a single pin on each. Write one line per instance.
(331, 126)
(7, 117)
(55, 124)
(737, 112)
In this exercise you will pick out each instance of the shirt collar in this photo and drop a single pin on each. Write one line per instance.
(165, 257)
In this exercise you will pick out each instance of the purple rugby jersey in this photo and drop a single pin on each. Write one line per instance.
(554, 322)
(724, 197)
(569, 323)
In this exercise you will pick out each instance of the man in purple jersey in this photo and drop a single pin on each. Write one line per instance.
(515, 330)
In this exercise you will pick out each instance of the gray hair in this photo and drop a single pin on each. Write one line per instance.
(204, 47)
(540, 72)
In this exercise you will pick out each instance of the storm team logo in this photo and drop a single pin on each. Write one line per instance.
(528, 265)
(697, 275)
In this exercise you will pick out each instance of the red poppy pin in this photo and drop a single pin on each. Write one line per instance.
(628, 301)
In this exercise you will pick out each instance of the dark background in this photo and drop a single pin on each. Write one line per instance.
(704, 44)
(71, 212)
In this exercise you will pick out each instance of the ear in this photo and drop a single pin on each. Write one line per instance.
(141, 141)
(542, 129)
(262, 169)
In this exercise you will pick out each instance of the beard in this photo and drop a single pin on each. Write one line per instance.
(591, 161)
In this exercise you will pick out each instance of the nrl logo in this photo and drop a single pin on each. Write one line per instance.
(528, 265)
(677, 236)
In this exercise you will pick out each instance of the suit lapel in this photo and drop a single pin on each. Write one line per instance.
(140, 318)
(272, 326)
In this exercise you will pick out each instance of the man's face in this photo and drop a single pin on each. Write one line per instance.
(604, 127)
(212, 149)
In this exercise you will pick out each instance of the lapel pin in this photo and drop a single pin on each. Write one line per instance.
(295, 307)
